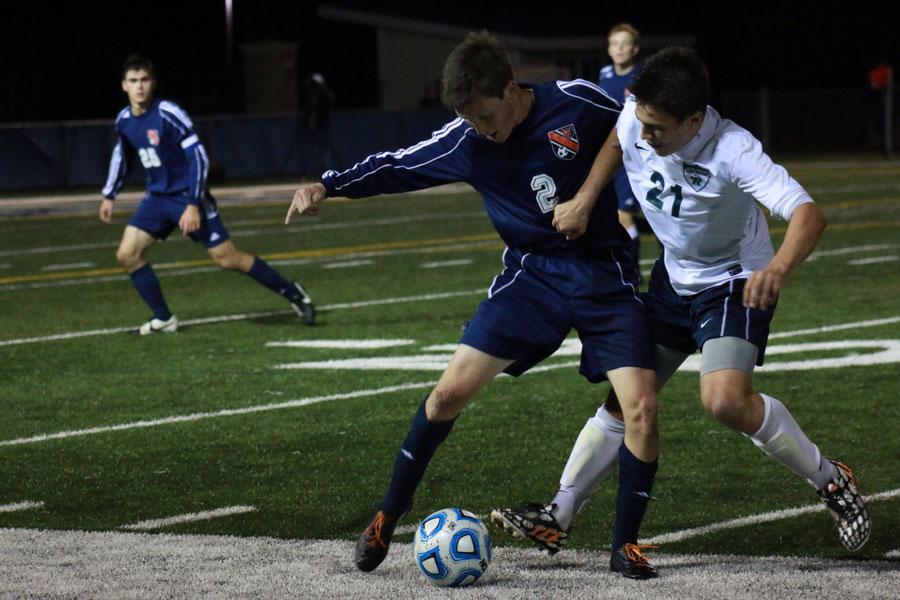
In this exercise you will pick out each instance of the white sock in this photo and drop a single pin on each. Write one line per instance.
(595, 452)
(632, 231)
(780, 437)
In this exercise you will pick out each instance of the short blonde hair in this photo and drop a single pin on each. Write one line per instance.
(627, 28)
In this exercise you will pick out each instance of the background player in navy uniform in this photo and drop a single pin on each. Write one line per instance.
(162, 136)
(522, 147)
(623, 46)
(701, 179)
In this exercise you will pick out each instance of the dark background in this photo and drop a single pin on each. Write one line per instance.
(62, 60)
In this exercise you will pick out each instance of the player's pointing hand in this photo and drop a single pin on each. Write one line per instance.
(306, 201)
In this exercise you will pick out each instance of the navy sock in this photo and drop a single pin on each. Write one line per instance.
(272, 279)
(147, 285)
(635, 483)
(409, 467)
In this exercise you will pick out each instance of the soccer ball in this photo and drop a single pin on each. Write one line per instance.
(452, 547)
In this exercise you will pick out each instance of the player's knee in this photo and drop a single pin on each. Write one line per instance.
(127, 258)
(446, 402)
(642, 412)
(723, 405)
(229, 262)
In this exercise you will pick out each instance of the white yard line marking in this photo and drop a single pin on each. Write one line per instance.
(66, 266)
(446, 263)
(5, 265)
(849, 250)
(830, 328)
(51, 249)
(441, 348)
(17, 506)
(189, 518)
(340, 344)
(241, 317)
(892, 554)
(220, 413)
(349, 263)
(776, 515)
(873, 260)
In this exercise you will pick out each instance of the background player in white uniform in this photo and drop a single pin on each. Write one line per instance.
(698, 177)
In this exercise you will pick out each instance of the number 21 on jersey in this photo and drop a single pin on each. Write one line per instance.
(654, 193)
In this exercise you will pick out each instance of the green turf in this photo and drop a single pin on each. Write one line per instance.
(316, 471)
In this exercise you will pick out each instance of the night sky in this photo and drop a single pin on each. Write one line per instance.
(62, 61)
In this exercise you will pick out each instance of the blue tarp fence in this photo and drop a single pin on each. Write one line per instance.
(75, 155)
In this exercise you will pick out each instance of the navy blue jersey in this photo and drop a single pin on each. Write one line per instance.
(544, 161)
(164, 140)
(617, 85)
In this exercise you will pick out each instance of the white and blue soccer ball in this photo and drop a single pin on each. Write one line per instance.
(452, 547)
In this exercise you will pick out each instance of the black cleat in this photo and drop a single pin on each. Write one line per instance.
(629, 561)
(847, 507)
(535, 522)
(303, 306)
(373, 543)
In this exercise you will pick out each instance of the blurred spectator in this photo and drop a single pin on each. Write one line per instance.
(316, 103)
(431, 95)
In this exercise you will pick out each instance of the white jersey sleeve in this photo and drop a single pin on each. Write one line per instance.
(754, 172)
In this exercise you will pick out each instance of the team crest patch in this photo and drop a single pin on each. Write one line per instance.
(696, 175)
(153, 137)
(564, 142)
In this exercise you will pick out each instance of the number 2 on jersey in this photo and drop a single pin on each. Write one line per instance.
(546, 192)
(653, 193)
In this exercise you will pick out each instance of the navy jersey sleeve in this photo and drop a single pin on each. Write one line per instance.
(179, 125)
(119, 166)
(443, 158)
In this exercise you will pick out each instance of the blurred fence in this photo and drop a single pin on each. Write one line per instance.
(76, 155)
(810, 121)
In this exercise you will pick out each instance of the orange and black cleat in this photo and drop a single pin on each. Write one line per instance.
(535, 522)
(373, 543)
(630, 562)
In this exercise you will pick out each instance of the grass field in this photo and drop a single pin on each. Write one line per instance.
(245, 407)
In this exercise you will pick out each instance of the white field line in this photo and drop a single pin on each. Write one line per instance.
(341, 344)
(892, 554)
(874, 260)
(241, 317)
(188, 518)
(447, 263)
(67, 266)
(17, 506)
(849, 250)
(776, 515)
(162, 271)
(349, 263)
(219, 413)
(830, 328)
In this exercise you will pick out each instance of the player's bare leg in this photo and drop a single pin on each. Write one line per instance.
(469, 371)
(227, 256)
(130, 254)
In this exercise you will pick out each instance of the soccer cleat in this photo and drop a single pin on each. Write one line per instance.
(847, 507)
(159, 326)
(303, 306)
(629, 561)
(373, 543)
(535, 522)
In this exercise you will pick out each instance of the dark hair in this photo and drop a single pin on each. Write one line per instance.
(136, 62)
(479, 67)
(675, 81)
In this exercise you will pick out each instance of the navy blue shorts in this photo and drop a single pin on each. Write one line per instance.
(158, 215)
(627, 201)
(685, 323)
(536, 300)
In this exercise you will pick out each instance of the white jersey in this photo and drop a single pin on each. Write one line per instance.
(701, 200)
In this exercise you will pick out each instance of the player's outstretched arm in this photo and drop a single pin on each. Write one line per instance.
(571, 217)
(107, 207)
(804, 230)
(306, 201)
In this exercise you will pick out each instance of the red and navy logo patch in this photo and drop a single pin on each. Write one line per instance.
(153, 137)
(564, 142)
